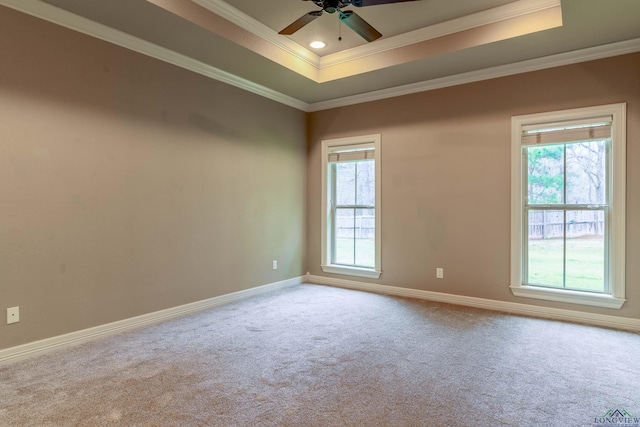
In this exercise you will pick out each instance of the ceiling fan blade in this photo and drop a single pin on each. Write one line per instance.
(301, 22)
(360, 3)
(359, 25)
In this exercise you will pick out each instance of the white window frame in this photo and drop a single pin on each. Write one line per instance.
(615, 261)
(329, 146)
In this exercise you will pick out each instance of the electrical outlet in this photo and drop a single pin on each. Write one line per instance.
(439, 273)
(13, 315)
(275, 264)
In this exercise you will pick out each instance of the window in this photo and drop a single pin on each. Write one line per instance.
(351, 206)
(568, 206)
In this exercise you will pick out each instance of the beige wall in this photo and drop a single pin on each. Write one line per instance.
(446, 175)
(128, 185)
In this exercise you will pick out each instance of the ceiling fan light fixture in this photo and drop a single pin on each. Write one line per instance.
(317, 44)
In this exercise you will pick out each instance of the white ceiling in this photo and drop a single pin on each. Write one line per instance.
(426, 43)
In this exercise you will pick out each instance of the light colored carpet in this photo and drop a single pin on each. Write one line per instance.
(320, 356)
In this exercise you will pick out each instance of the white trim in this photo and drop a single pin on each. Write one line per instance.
(66, 19)
(615, 322)
(615, 273)
(369, 273)
(568, 296)
(474, 20)
(86, 26)
(368, 140)
(463, 23)
(62, 341)
(619, 200)
(552, 61)
(247, 23)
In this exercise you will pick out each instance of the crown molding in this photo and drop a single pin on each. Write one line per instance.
(475, 20)
(558, 60)
(257, 28)
(464, 23)
(69, 20)
(86, 26)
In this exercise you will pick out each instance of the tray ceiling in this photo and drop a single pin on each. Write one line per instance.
(425, 44)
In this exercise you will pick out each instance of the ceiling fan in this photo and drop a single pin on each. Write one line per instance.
(348, 17)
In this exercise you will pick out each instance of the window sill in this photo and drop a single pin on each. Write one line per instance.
(572, 297)
(369, 273)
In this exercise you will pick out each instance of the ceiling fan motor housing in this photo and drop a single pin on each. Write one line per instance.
(331, 6)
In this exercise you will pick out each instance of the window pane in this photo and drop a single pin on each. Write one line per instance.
(365, 238)
(345, 233)
(545, 263)
(586, 172)
(355, 228)
(546, 174)
(366, 183)
(585, 250)
(346, 183)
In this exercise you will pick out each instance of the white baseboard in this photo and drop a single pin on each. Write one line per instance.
(73, 338)
(614, 322)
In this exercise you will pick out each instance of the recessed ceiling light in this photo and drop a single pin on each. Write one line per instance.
(317, 44)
